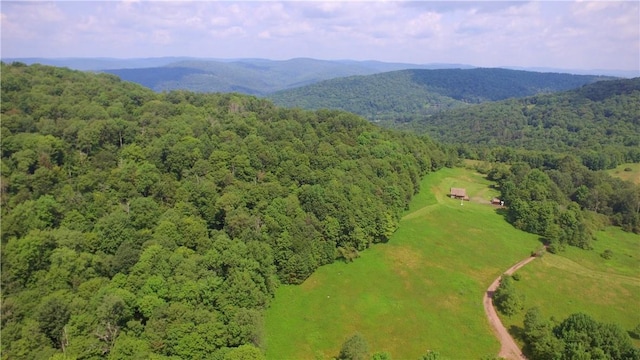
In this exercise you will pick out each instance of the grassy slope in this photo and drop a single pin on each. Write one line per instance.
(578, 280)
(633, 175)
(422, 290)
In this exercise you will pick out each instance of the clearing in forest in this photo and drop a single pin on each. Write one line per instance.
(420, 291)
(629, 172)
(423, 289)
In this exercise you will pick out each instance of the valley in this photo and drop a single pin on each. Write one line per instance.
(186, 224)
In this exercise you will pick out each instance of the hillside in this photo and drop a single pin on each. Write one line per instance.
(600, 122)
(250, 76)
(433, 274)
(146, 225)
(407, 94)
(429, 278)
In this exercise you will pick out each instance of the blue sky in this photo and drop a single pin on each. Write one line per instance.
(558, 34)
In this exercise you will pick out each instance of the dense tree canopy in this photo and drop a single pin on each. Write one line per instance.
(577, 337)
(555, 196)
(405, 95)
(144, 225)
(599, 122)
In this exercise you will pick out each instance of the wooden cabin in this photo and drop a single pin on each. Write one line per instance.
(459, 193)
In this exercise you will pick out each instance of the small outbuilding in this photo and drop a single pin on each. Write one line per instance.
(495, 201)
(459, 193)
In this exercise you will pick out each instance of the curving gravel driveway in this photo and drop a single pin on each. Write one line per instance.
(508, 347)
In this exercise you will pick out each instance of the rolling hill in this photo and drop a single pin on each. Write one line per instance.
(406, 94)
(97, 64)
(148, 225)
(251, 76)
(600, 121)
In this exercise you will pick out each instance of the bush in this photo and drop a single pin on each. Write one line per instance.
(355, 348)
(538, 252)
(381, 356)
(607, 254)
(506, 297)
(431, 355)
(555, 248)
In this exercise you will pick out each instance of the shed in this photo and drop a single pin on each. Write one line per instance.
(459, 193)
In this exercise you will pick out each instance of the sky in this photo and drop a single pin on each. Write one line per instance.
(553, 34)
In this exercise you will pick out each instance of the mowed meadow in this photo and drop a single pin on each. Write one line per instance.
(420, 291)
(608, 290)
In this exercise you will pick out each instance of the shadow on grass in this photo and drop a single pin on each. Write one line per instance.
(518, 334)
(502, 211)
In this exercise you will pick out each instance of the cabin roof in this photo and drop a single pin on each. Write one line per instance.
(461, 192)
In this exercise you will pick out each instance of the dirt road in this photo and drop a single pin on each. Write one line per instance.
(508, 347)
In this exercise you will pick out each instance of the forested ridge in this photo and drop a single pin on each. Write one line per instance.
(400, 96)
(145, 225)
(247, 76)
(599, 122)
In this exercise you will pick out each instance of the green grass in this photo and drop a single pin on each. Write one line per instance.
(423, 289)
(420, 291)
(633, 175)
(582, 281)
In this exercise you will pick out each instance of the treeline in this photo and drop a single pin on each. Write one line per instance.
(144, 225)
(577, 337)
(599, 122)
(558, 198)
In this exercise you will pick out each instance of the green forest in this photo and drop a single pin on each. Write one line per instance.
(577, 337)
(146, 225)
(563, 201)
(406, 95)
(599, 122)
(258, 77)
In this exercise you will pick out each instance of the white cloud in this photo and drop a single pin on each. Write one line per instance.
(218, 21)
(27, 20)
(233, 31)
(486, 33)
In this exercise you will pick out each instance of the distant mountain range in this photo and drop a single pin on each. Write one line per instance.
(259, 77)
(249, 76)
(402, 95)
(97, 64)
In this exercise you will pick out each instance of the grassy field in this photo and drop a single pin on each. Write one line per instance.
(633, 175)
(420, 291)
(423, 289)
(579, 280)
